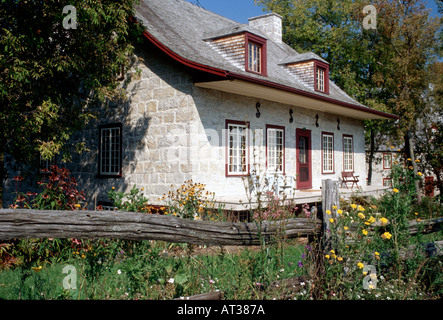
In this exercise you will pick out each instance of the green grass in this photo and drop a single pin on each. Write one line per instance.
(157, 271)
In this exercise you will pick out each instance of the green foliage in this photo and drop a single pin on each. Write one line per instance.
(51, 78)
(193, 201)
(370, 254)
(134, 201)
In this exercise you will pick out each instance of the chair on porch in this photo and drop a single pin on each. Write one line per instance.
(347, 177)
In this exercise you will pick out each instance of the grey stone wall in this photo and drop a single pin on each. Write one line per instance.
(174, 131)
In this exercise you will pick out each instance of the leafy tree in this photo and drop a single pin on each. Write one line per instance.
(55, 67)
(385, 68)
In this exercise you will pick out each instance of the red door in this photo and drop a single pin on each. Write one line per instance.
(303, 155)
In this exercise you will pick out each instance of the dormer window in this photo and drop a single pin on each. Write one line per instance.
(255, 54)
(321, 73)
(320, 79)
(254, 57)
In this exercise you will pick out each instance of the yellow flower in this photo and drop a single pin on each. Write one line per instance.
(113, 188)
(392, 147)
(36, 269)
(395, 190)
(346, 228)
(386, 235)
(83, 256)
(409, 159)
(361, 208)
(419, 173)
(361, 215)
(364, 232)
(376, 253)
(418, 220)
(327, 256)
(417, 160)
(334, 207)
(333, 256)
(339, 258)
(332, 251)
(384, 221)
(370, 220)
(360, 265)
(328, 211)
(331, 220)
(353, 206)
(339, 211)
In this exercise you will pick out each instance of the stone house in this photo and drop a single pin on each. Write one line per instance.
(220, 102)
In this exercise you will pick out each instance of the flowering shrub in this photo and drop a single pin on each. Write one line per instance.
(59, 192)
(369, 255)
(192, 201)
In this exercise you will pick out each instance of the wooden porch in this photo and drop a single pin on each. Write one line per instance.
(244, 202)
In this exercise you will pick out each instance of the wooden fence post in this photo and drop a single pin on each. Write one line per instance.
(330, 199)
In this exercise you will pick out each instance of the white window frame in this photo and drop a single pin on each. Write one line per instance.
(348, 153)
(321, 79)
(237, 148)
(275, 150)
(327, 152)
(254, 57)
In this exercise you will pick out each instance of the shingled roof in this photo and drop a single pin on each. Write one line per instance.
(182, 30)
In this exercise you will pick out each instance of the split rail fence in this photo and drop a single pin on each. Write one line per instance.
(83, 224)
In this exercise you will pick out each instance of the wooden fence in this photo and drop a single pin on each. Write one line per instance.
(16, 223)
(82, 224)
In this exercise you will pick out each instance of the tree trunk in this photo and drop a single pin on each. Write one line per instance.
(409, 146)
(371, 157)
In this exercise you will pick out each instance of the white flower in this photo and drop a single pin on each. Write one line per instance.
(171, 280)
(119, 271)
(282, 270)
(302, 284)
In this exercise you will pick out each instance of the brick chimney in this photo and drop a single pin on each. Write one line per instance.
(269, 24)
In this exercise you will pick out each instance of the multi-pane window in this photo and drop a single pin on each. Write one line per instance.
(387, 161)
(320, 79)
(237, 148)
(321, 73)
(275, 148)
(254, 57)
(348, 154)
(328, 153)
(110, 150)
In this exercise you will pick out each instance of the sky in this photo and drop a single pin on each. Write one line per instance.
(241, 10)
